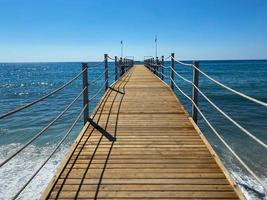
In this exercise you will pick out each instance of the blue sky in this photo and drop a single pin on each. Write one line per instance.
(81, 30)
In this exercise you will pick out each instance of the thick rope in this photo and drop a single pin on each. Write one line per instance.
(222, 112)
(224, 86)
(53, 152)
(97, 64)
(97, 78)
(222, 140)
(42, 98)
(95, 95)
(42, 131)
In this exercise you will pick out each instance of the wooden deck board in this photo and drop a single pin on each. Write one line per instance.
(158, 153)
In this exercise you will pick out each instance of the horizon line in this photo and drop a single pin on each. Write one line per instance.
(247, 59)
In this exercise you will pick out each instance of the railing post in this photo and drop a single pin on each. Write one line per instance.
(157, 66)
(126, 68)
(116, 68)
(195, 92)
(85, 93)
(121, 73)
(162, 69)
(171, 71)
(151, 65)
(153, 60)
(106, 70)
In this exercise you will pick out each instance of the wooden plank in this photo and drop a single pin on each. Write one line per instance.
(151, 194)
(159, 153)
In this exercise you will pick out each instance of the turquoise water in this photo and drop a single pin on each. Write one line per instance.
(21, 83)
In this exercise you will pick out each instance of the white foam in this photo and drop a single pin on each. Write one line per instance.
(16, 173)
(248, 185)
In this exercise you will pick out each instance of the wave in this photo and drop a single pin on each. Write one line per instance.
(251, 189)
(19, 170)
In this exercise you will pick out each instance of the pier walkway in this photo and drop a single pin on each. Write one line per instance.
(140, 143)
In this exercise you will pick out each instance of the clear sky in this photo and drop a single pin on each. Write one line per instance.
(81, 30)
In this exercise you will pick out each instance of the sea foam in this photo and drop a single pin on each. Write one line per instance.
(19, 170)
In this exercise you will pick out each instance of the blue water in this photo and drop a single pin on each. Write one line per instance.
(21, 83)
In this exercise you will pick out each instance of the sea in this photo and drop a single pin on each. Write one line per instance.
(21, 83)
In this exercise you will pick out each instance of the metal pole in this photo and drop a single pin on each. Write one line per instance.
(171, 71)
(162, 69)
(116, 68)
(195, 92)
(106, 70)
(157, 66)
(123, 66)
(152, 69)
(156, 44)
(121, 48)
(121, 73)
(85, 93)
(153, 61)
(151, 64)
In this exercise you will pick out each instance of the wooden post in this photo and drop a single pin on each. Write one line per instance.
(116, 68)
(195, 92)
(171, 71)
(162, 69)
(106, 70)
(85, 92)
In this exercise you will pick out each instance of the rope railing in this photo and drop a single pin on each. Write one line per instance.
(221, 139)
(41, 98)
(42, 131)
(214, 105)
(98, 91)
(111, 58)
(123, 65)
(98, 77)
(167, 57)
(162, 74)
(157, 67)
(97, 64)
(50, 156)
(222, 112)
(223, 85)
(182, 63)
(165, 66)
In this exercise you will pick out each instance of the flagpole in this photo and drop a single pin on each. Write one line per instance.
(121, 48)
(156, 44)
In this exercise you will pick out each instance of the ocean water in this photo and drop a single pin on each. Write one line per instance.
(21, 83)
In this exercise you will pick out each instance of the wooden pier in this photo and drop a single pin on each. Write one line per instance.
(140, 143)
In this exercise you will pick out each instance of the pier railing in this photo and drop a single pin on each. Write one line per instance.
(121, 66)
(158, 67)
